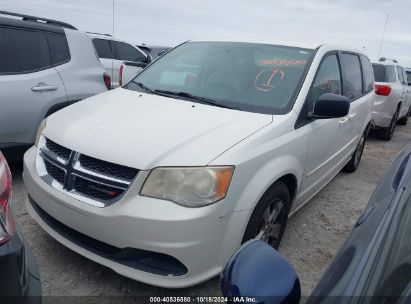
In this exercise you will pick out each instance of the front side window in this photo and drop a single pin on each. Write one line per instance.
(128, 53)
(246, 76)
(353, 75)
(327, 80)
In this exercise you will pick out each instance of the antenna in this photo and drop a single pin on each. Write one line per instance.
(383, 35)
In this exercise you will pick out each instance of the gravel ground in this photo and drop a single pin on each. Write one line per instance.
(312, 237)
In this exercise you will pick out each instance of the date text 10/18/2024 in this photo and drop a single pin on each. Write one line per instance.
(202, 300)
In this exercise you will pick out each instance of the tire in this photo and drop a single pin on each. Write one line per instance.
(403, 121)
(387, 133)
(355, 159)
(269, 218)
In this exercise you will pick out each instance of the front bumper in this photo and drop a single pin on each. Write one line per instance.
(200, 238)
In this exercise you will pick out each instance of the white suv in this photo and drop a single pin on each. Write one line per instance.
(393, 97)
(113, 52)
(211, 145)
(45, 65)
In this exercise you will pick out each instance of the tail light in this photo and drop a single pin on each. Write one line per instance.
(107, 80)
(382, 89)
(120, 76)
(7, 225)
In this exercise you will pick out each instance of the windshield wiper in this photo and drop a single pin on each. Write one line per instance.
(195, 98)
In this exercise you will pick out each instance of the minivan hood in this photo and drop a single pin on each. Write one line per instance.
(144, 131)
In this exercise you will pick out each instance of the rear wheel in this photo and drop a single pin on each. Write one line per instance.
(387, 133)
(269, 218)
(403, 121)
(354, 162)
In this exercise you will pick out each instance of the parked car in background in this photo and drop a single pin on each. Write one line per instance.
(45, 65)
(393, 100)
(215, 143)
(372, 266)
(19, 275)
(112, 52)
(154, 51)
(129, 70)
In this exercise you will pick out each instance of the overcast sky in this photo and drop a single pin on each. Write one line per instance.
(164, 22)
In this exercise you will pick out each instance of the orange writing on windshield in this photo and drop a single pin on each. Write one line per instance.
(266, 79)
(282, 62)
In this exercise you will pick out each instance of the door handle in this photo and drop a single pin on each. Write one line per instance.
(43, 88)
(343, 121)
(351, 116)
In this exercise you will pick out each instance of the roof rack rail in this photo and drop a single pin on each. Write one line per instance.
(108, 35)
(39, 20)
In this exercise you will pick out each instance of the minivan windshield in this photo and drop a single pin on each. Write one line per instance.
(244, 76)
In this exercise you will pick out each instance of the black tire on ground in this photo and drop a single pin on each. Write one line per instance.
(403, 121)
(355, 159)
(387, 133)
(277, 200)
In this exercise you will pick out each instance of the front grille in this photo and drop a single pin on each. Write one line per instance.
(55, 172)
(58, 150)
(81, 175)
(106, 168)
(96, 190)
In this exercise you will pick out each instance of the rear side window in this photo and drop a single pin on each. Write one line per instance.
(9, 63)
(384, 73)
(31, 50)
(327, 80)
(400, 75)
(103, 48)
(58, 48)
(353, 75)
(368, 74)
(128, 53)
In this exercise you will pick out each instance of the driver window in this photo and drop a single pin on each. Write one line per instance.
(327, 80)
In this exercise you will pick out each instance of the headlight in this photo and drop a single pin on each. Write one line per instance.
(191, 187)
(40, 130)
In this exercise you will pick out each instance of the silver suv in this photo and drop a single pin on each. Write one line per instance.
(393, 101)
(45, 65)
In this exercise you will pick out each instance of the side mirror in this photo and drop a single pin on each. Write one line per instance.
(330, 106)
(257, 271)
(149, 59)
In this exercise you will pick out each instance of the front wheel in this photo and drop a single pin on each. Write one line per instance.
(354, 162)
(269, 218)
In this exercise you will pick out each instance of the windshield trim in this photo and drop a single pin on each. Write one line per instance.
(261, 110)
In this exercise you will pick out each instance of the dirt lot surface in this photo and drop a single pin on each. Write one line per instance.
(312, 237)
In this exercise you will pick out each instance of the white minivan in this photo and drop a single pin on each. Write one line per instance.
(215, 143)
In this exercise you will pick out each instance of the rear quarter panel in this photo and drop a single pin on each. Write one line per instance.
(83, 74)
